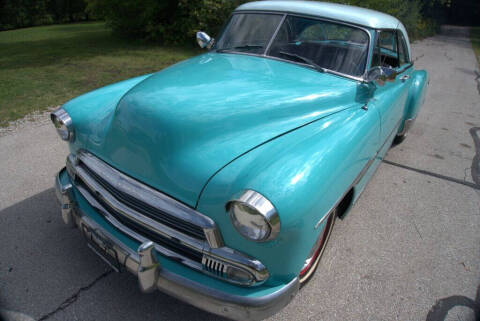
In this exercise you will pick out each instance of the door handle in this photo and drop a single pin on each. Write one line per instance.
(404, 77)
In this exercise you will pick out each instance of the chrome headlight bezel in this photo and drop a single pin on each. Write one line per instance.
(63, 124)
(262, 207)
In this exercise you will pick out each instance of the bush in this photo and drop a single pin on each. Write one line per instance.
(176, 21)
(408, 12)
(26, 13)
(168, 21)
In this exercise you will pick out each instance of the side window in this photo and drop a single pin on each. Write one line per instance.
(402, 49)
(385, 50)
(387, 40)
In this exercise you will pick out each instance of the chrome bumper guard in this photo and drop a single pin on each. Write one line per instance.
(406, 126)
(144, 264)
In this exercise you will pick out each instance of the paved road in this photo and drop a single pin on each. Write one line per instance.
(409, 249)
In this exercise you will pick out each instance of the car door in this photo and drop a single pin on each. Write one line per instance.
(390, 99)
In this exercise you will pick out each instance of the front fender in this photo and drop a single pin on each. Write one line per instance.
(303, 173)
(91, 112)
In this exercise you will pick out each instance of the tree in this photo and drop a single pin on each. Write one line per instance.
(165, 21)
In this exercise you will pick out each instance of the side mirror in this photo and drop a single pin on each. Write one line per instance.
(380, 75)
(204, 40)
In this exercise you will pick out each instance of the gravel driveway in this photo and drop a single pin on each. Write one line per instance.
(409, 249)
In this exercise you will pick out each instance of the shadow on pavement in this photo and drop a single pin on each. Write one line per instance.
(441, 308)
(46, 267)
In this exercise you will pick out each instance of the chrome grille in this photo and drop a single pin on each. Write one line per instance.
(144, 214)
(146, 209)
(173, 245)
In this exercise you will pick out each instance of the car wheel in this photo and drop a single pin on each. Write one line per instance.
(311, 264)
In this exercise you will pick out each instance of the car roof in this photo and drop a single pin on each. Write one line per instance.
(351, 14)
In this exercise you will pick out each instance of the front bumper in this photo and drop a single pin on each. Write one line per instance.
(151, 275)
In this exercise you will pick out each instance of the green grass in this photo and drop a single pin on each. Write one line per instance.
(475, 37)
(42, 67)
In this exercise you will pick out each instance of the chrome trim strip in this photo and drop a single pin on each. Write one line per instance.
(152, 197)
(332, 210)
(365, 169)
(272, 39)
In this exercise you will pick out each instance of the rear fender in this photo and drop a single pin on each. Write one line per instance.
(416, 96)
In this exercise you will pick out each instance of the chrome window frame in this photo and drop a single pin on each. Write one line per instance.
(396, 31)
(403, 42)
(287, 13)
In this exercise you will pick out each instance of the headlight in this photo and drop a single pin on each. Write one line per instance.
(63, 123)
(254, 217)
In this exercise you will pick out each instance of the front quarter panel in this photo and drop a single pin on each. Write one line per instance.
(92, 112)
(303, 173)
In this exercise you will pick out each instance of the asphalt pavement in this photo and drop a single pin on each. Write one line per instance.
(408, 250)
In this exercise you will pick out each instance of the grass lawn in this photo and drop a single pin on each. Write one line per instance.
(42, 67)
(475, 37)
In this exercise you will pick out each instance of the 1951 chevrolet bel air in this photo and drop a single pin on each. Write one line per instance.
(218, 180)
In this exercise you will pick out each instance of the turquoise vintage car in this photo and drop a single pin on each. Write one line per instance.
(218, 180)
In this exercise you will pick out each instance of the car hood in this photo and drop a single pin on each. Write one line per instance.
(178, 127)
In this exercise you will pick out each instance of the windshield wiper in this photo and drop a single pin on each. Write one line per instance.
(248, 47)
(306, 60)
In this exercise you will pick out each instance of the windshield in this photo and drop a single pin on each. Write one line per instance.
(323, 45)
(249, 32)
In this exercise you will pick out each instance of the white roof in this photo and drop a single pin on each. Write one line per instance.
(356, 15)
(351, 14)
